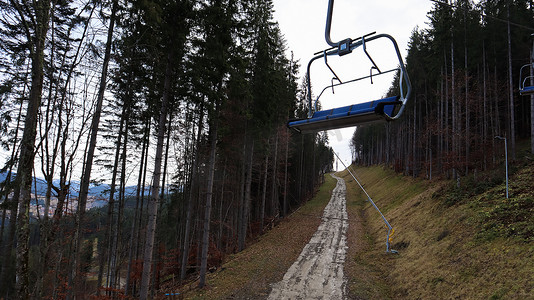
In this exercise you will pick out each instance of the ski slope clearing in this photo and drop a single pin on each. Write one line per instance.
(318, 271)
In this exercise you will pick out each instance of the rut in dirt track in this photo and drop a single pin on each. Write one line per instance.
(318, 271)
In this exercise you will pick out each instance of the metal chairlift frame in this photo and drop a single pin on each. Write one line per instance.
(346, 47)
(526, 88)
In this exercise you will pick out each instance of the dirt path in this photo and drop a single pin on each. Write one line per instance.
(318, 271)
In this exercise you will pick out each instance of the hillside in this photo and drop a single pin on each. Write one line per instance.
(453, 243)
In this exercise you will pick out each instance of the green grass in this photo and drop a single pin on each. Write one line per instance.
(467, 243)
(512, 217)
(389, 188)
(323, 194)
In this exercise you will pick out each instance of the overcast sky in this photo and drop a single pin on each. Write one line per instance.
(302, 23)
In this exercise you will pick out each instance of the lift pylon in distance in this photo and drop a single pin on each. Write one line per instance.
(386, 109)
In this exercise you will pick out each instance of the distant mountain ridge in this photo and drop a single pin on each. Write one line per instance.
(99, 192)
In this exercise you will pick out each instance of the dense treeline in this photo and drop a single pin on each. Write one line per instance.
(465, 74)
(186, 99)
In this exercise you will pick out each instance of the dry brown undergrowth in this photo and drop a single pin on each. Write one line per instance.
(249, 274)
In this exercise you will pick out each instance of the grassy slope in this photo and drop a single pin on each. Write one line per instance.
(248, 274)
(452, 244)
(445, 251)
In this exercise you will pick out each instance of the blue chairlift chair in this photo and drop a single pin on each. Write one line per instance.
(386, 109)
(525, 83)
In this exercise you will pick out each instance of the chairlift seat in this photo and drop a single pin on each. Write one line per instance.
(527, 90)
(346, 116)
(525, 80)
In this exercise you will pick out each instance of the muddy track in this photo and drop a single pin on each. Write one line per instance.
(318, 271)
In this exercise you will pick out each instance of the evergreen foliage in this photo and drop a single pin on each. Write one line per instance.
(459, 72)
(209, 80)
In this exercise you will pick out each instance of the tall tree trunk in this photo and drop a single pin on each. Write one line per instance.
(115, 265)
(165, 164)
(247, 194)
(242, 183)
(48, 166)
(7, 279)
(138, 207)
(454, 115)
(27, 152)
(154, 197)
(441, 119)
(467, 110)
(264, 194)
(511, 89)
(497, 127)
(7, 245)
(485, 99)
(84, 187)
(141, 244)
(192, 185)
(447, 130)
(532, 99)
(221, 206)
(209, 197)
(275, 209)
(104, 254)
(284, 209)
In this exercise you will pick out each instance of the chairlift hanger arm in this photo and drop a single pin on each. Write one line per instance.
(343, 46)
(329, 25)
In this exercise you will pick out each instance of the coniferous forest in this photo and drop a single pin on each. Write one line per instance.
(179, 108)
(184, 100)
(465, 71)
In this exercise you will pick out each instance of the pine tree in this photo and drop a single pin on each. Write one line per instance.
(30, 27)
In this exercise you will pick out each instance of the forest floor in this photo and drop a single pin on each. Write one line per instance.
(454, 243)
